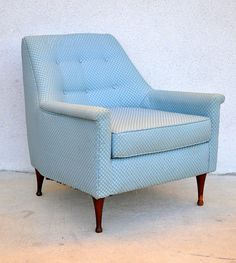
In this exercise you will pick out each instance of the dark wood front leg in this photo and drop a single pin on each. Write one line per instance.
(39, 178)
(200, 188)
(98, 207)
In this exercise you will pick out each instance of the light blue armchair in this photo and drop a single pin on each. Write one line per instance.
(93, 122)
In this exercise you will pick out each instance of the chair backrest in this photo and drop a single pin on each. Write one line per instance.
(90, 69)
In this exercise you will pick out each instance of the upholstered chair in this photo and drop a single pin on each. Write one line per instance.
(93, 123)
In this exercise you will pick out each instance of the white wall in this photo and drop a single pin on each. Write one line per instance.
(176, 44)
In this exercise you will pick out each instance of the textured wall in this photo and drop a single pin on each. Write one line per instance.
(176, 44)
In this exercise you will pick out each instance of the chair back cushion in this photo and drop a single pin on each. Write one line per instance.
(90, 69)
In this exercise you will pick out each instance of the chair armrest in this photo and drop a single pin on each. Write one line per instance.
(203, 104)
(184, 102)
(75, 110)
(71, 144)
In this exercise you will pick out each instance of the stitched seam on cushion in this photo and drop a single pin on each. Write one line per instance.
(176, 125)
(98, 154)
(209, 155)
(209, 147)
(98, 159)
(210, 106)
(155, 152)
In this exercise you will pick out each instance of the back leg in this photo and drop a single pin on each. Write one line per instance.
(39, 178)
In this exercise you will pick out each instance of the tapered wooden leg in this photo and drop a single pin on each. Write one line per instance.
(98, 206)
(39, 178)
(200, 188)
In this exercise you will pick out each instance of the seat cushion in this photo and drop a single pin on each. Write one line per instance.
(138, 131)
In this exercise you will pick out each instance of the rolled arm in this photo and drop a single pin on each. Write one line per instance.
(75, 110)
(203, 104)
(185, 102)
(71, 143)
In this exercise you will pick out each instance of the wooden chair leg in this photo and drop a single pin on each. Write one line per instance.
(98, 207)
(39, 178)
(200, 187)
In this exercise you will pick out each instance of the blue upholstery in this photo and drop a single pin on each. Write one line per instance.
(89, 69)
(138, 131)
(142, 171)
(203, 104)
(94, 123)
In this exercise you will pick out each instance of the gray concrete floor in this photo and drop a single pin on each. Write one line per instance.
(157, 224)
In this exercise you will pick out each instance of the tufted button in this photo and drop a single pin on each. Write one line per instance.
(57, 61)
(114, 86)
(86, 90)
(80, 61)
(106, 59)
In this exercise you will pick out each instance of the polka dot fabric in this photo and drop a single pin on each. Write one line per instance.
(202, 104)
(138, 131)
(82, 94)
(90, 69)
